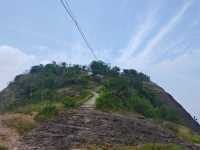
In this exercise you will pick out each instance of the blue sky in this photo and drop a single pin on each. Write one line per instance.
(158, 37)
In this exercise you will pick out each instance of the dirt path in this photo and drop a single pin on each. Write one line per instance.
(91, 102)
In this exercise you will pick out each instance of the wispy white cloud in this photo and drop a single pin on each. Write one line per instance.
(179, 74)
(145, 25)
(163, 32)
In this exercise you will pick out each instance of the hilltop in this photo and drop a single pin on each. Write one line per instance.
(126, 99)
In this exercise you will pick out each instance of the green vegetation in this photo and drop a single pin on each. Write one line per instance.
(32, 107)
(44, 83)
(110, 147)
(154, 146)
(182, 132)
(50, 84)
(63, 102)
(3, 147)
(48, 112)
(65, 86)
(49, 89)
(134, 103)
(160, 147)
(69, 102)
(125, 92)
(196, 139)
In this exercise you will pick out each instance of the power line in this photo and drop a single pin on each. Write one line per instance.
(69, 12)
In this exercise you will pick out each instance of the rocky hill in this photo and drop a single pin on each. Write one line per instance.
(128, 108)
(169, 100)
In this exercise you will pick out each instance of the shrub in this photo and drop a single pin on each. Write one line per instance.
(160, 147)
(99, 67)
(110, 147)
(196, 139)
(143, 107)
(168, 113)
(182, 132)
(154, 146)
(133, 103)
(2, 147)
(48, 112)
(69, 102)
(107, 101)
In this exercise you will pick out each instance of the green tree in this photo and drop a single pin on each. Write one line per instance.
(115, 71)
(99, 67)
(36, 69)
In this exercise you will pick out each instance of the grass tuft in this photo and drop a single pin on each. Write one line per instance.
(3, 147)
(196, 139)
(47, 112)
(183, 132)
(160, 147)
(20, 123)
(155, 146)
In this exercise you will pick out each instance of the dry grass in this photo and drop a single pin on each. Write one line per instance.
(20, 122)
(11, 127)
(108, 147)
(155, 146)
(183, 132)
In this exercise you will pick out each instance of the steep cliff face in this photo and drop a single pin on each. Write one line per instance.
(166, 98)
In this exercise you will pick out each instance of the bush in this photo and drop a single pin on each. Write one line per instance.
(196, 139)
(133, 103)
(160, 147)
(154, 146)
(99, 67)
(143, 107)
(111, 147)
(168, 113)
(3, 147)
(48, 112)
(115, 99)
(107, 101)
(182, 132)
(69, 102)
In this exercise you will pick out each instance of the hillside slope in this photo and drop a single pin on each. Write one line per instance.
(165, 97)
(78, 127)
(126, 90)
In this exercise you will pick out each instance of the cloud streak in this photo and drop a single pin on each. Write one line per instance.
(176, 67)
(142, 59)
(137, 39)
(164, 31)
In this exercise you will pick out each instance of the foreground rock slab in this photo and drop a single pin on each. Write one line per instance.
(84, 126)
